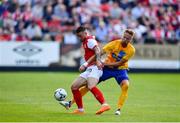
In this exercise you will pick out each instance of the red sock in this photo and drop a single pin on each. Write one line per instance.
(97, 93)
(78, 98)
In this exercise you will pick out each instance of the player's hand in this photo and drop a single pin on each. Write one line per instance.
(99, 64)
(82, 68)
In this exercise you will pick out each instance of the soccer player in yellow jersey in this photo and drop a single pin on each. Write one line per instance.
(115, 66)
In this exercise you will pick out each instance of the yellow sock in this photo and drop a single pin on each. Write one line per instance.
(83, 90)
(123, 95)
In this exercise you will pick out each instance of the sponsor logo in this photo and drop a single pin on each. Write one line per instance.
(27, 50)
(120, 55)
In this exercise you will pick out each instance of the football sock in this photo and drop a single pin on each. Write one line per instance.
(97, 93)
(104, 104)
(78, 98)
(123, 96)
(83, 90)
(81, 109)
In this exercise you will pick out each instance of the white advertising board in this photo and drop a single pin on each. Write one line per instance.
(29, 54)
(156, 57)
(154, 64)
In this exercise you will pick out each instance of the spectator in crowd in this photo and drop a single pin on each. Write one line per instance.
(157, 20)
(37, 10)
(70, 38)
(115, 11)
(102, 32)
(60, 12)
(33, 31)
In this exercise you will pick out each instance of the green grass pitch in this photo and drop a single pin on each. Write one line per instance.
(28, 97)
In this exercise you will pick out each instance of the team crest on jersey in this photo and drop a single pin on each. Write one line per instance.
(120, 55)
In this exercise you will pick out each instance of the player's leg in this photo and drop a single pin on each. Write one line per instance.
(84, 89)
(124, 94)
(92, 81)
(67, 104)
(77, 83)
(123, 82)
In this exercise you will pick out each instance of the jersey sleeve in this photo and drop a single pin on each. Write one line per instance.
(91, 43)
(130, 54)
(110, 46)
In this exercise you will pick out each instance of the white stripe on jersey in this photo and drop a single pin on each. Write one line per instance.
(91, 43)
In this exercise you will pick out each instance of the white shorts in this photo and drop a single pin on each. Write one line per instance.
(92, 71)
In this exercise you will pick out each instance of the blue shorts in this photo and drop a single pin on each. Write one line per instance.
(118, 74)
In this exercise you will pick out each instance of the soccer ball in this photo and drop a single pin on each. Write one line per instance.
(60, 94)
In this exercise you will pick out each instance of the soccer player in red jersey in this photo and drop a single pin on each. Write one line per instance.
(91, 76)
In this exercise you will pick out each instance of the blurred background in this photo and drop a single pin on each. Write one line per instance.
(39, 34)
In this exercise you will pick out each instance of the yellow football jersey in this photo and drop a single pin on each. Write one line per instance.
(115, 52)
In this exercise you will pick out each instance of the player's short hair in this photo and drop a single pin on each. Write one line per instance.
(81, 29)
(129, 31)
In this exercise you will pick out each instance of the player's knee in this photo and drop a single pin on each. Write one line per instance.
(90, 86)
(74, 87)
(92, 83)
(125, 86)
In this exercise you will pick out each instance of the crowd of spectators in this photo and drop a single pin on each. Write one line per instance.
(154, 21)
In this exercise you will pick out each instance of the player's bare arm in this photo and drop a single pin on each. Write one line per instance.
(92, 58)
(83, 66)
(98, 53)
(98, 57)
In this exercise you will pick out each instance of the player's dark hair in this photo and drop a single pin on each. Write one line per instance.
(81, 29)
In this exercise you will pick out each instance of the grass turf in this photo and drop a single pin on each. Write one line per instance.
(28, 97)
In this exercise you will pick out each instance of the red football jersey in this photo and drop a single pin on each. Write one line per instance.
(88, 44)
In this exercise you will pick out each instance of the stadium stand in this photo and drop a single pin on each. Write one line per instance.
(154, 21)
